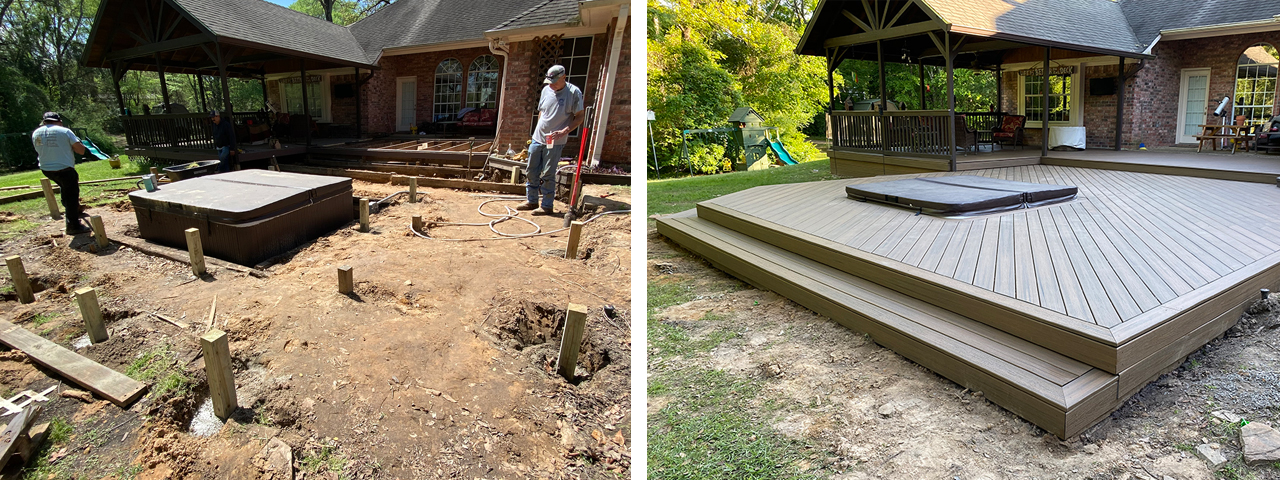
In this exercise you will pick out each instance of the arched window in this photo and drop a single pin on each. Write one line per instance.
(482, 82)
(448, 91)
(1256, 83)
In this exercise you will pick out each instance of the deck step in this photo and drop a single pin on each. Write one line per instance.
(1057, 393)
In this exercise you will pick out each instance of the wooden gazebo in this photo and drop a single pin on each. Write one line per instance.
(223, 38)
(981, 34)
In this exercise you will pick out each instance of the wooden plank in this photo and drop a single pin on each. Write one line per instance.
(105, 382)
(939, 246)
(1104, 313)
(1117, 295)
(1050, 296)
(955, 247)
(1026, 286)
(460, 184)
(967, 263)
(400, 169)
(920, 247)
(1003, 275)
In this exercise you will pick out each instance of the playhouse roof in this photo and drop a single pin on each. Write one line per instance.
(745, 115)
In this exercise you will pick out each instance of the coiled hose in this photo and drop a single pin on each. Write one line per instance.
(502, 217)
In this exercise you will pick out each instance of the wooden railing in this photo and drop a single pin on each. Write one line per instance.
(904, 132)
(178, 130)
(983, 122)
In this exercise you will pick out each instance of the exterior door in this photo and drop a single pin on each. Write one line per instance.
(406, 103)
(1193, 100)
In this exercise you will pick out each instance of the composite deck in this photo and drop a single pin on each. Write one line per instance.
(1127, 279)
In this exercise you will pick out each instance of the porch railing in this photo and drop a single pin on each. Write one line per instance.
(922, 133)
(178, 130)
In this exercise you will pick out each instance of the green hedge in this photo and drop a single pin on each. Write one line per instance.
(18, 154)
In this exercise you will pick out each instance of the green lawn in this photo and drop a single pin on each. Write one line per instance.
(679, 194)
(30, 213)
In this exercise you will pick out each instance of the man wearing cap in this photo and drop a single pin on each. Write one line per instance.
(560, 111)
(224, 139)
(57, 147)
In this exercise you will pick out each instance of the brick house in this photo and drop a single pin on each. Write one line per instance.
(1180, 58)
(475, 69)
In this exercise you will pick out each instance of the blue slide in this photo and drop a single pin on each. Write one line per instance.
(781, 151)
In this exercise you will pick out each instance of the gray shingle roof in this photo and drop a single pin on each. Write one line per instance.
(428, 22)
(1149, 17)
(547, 12)
(266, 23)
(1092, 24)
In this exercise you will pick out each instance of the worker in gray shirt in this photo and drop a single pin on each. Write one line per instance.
(560, 110)
(57, 147)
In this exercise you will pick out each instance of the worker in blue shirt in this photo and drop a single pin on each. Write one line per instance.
(57, 147)
(224, 139)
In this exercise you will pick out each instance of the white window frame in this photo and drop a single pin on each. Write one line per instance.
(326, 98)
(585, 78)
(1235, 80)
(472, 86)
(435, 93)
(1077, 105)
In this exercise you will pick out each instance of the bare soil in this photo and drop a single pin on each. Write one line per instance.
(440, 364)
(867, 412)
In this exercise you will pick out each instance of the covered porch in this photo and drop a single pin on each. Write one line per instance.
(202, 39)
(886, 141)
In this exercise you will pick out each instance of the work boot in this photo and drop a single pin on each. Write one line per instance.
(544, 211)
(75, 226)
(526, 206)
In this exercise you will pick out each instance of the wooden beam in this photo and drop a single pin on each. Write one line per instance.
(48, 198)
(901, 11)
(574, 324)
(217, 367)
(157, 47)
(196, 251)
(871, 13)
(21, 284)
(856, 20)
(346, 281)
(885, 34)
(987, 46)
(105, 382)
(91, 312)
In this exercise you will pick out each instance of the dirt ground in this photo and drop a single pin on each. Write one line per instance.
(857, 410)
(440, 365)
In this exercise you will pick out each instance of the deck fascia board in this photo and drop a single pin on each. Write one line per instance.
(1086, 342)
(1063, 410)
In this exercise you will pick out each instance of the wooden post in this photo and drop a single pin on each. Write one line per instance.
(413, 189)
(48, 198)
(99, 231)
(196, 250)
(951, 98)
(364, 215)
(417, 223)
(575, 235)
(574, 323)
(1044, 107)
(155, 171)
(217, 366)
(21, 284)
(306, 109)
(1120, 104)
(87, 299)
(359, 121)
(346, 281)
(515, 175)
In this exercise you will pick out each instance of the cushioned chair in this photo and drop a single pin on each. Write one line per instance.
(1010, 130)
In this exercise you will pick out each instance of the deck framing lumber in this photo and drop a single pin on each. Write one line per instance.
(95, 377)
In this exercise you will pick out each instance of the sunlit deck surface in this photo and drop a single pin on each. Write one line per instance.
(1059, 313)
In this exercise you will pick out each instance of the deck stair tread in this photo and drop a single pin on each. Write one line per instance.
(1061, 394)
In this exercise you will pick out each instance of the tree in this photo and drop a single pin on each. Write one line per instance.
(341, 12)
(708, 57)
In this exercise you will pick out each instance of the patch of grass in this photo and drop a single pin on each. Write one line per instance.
(327, 459)
(706, 433)
(15, 228)
(664, 293)
(159, 367)
(95, 170)
(680, 194)
(6, 289)
(59, 431)
(41, 469)
(126, 472)
(42, 318)
(1186, 447)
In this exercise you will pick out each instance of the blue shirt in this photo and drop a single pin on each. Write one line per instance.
(53, 145)
(555, 111)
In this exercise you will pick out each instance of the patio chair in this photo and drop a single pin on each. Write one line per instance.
(965, 136)
(1011, 130)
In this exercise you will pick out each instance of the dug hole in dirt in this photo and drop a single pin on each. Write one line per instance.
(863, 411)
(441, 363)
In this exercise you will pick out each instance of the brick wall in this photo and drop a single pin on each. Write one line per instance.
(1151, 96)
(379, 93)
(1155, 114)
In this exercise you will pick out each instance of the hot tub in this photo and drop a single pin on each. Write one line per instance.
(246, 216)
